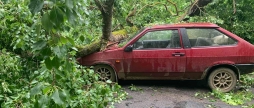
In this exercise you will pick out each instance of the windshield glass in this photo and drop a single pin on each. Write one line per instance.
(125, 41)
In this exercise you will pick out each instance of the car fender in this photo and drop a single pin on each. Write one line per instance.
(228, 64)
(106, 63)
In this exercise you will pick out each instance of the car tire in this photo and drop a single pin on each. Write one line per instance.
(222, 79)
(105, 73)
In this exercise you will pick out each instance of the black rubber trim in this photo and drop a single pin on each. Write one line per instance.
(185, 38)
(245, 68)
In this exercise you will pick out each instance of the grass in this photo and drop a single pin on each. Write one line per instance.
(241, 96)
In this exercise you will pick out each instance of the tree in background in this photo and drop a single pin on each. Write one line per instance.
(235, 16)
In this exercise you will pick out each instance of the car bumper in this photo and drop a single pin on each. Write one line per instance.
(245, 68)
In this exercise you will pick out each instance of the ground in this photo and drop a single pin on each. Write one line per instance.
(168, 94)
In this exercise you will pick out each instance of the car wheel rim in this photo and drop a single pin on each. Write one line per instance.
(223, 80)
(104, 74)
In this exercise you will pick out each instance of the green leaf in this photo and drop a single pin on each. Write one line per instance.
(48, 63)
(57, 17)
(36, 89)
(43, 101)
(55, 62)
(46, 90)
(60, 51)
(38, 30)
(64, 95)
(82, 38)
(20, 44)
(46, 52)
(57, 51)
(56, 98)
(69, 3)
(71, 15)
(71, 41)
(63, 40)
(60, 75)
(36, 104)
(39, 45)
(35, 6)
(68, 66)
(46, 22)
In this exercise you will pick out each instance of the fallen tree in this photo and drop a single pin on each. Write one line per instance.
(106, 9)
(108, 37)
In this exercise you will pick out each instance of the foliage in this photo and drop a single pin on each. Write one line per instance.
(247, 81)
(10, 66)
(39, 67)
(239, 97)
(232, 98)
(15, 23)
(46, 74)
(238, 20)
(134, 88)
(143, 13)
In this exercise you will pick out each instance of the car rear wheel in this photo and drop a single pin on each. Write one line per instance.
(105, 73)
(223, 79)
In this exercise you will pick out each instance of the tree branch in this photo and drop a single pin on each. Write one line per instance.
(134, 11)
(131, 14)
(177, 12)
(187, 12)
(234, 6)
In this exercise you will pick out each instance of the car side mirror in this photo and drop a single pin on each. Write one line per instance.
(128, 48)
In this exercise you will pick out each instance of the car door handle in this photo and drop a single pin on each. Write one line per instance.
(177, 54)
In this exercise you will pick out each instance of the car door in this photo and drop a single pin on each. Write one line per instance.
(157, 54)
(209, 47)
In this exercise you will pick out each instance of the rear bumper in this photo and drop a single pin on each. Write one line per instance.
(245, 68)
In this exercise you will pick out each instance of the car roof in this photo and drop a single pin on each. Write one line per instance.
(186, 25)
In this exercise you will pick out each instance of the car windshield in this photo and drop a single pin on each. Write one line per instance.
(124, 42)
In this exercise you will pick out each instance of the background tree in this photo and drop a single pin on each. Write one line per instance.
(232, 15)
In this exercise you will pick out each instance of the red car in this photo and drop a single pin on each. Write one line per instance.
(192, 51)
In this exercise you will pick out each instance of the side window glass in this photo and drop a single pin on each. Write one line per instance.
(208, 37)
(159, 39)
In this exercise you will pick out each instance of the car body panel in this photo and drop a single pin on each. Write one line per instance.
(159, 64)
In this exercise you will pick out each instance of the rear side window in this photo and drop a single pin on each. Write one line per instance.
(208, 37)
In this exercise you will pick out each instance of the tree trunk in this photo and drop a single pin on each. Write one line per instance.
(106, 8)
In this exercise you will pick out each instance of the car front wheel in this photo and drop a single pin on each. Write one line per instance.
(223, 79)
(105, 73)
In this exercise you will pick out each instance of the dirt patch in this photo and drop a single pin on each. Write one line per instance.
(168, 94)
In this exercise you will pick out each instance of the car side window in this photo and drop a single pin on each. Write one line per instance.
(208, 37)
(159, 39)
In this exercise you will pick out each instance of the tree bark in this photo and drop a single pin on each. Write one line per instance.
(89, 49)
(106, 8)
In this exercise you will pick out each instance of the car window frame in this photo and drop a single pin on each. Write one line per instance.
(189, 45)
(151, 30)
